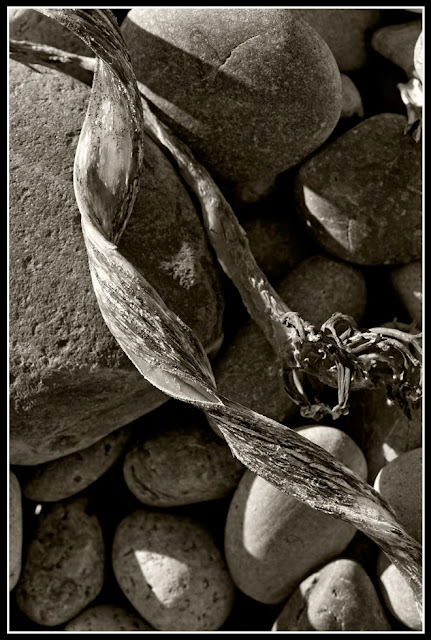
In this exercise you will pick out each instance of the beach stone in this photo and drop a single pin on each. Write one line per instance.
(107, 617)
(361, 195)
(397, 43)
(15, 530)
(71, 383)
(179, 460)
(407, 282)
(171, 570)
(400, 484)
(64, 477)
(396, 594)
(272, 540)
(346, 31)
(351, 106)
(339, 597)
(33, 26)
(247, 370)
(381, 428)
(251, 91)
(418, 56)
(319, 286)
(64, 566)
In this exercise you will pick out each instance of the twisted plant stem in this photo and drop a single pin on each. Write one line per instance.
(164, 349)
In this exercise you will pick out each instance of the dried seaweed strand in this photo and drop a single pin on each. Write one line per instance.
(170, 356)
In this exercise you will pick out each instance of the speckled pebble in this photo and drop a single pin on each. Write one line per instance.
(107, 617)
(396, 594)
(171, 570)
(400, 483)
(339, 597)
(397, 43)
(351, 106)
(273, 541)
(15, 530)
(64, 565)
(407, 282)
(71, 474)
(179, 460)
(361, 195)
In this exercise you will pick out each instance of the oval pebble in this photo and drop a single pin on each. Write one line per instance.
(400, 483)
(64, 477)
(407, 282)
(64, 565)
(171, 570)
(107, 617)
(272, 541)
(361, 195)
(397, 43)
(396, 594)
(251, 91)
(339, 597)
(180, 461)
(15, 529)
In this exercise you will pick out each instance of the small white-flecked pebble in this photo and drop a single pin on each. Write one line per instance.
(67, 476)
(64, 566)
(15, 530)
(273, 541)
(172, 572)
(339, 597)
(397, 594)
(351, 104)
(407, 282)
(107, 617)
(400, 483)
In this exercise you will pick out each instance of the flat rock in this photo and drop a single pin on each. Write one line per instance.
(251, 91)
(407, 282)
(400, 483)
(346, 31)
(64, 565)
(361, 195)
(273, 541)
(180, 461)
(64, 477)
(396, 594)
(15, 529)
(339, 597)
(397, 43)
(107, 617)
(171, 570)
(71, 384)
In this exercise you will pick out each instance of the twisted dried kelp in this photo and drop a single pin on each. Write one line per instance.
(165, 350)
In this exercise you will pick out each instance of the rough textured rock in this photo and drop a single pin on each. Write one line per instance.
(28, 24)
(361, 195)
(251, 91)
(247, 370)
(64, 477)
(339, 597)
(407, 282)
(346, 31)
(319, 286)
(64, 566)
(71, 384)
(396, 594)
(397, 44)
(171, 570)
(351, 106)
(107, 617)
(180, 461)
(273, 541)
(15, 530)
(400, 483)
